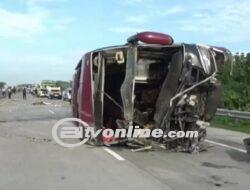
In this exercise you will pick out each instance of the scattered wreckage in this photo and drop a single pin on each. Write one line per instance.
(151, 82)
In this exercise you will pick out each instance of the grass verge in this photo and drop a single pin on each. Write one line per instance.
(231, 124)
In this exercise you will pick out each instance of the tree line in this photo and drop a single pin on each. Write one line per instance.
(2, 84)
(235, 80)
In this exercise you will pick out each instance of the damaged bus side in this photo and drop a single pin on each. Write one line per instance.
(155, 84)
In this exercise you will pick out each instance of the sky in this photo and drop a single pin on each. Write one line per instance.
(44, 39)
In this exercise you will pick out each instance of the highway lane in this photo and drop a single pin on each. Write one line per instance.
(30, 159)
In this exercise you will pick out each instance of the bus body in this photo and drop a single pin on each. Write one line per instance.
(151, 82)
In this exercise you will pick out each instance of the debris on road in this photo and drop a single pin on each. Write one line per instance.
(246, 142)
(41, 103)
(142, 149)
(39, 140)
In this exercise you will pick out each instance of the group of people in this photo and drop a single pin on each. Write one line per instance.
(11, 91)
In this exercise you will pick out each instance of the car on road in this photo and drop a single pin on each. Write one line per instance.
(66, 94)
(152, 82)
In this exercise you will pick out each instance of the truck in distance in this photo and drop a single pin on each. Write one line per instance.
(54, 92)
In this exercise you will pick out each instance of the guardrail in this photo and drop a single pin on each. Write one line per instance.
(233, 113)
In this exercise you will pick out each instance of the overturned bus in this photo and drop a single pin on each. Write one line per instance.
(151, 82)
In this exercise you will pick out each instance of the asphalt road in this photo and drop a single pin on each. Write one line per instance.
(30, 159)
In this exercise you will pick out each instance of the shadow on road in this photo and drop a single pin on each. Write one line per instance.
(238, 156)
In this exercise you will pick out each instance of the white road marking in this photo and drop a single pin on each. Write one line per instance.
(226, 146)
(117, 156)
(51, 112)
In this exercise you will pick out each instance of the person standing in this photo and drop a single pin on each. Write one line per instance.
(14, 90)
(9, 93)
(3, 92)
(24, 93)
